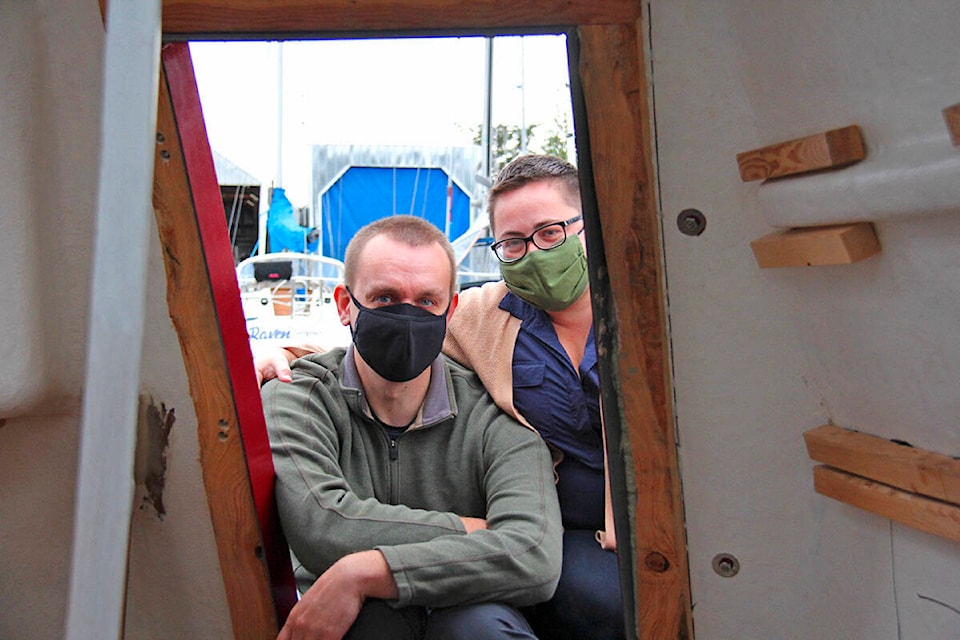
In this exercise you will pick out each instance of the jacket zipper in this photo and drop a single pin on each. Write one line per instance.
(394, 469)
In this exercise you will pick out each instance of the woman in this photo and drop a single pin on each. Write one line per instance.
(530, 339)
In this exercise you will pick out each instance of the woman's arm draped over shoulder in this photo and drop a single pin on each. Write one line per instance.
(481, 336)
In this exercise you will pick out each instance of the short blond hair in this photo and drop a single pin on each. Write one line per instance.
(410, 230)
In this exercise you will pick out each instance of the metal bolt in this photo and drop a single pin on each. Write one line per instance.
(726, 565)
(691, 222)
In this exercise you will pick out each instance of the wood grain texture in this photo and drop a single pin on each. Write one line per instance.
(194, 315)
(245, 17)
(951, 115)
(616, 93)
(826, 150)
(915, 470)
(816, 246)
(918, 512)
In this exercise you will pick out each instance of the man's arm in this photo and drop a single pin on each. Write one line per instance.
(331, 605)
(517, 559)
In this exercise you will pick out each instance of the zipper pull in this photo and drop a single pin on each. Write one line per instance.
(393, 448)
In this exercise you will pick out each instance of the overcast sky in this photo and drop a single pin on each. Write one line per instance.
(388, 92)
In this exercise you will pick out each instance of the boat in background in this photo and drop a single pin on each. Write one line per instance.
(295, 259)
(287, 298)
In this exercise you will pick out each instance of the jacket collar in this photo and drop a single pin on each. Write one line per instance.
(438, 405)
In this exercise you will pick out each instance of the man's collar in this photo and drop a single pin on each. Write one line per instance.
(351, 377)
(437, 405)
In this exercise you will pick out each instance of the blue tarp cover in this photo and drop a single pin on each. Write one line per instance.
(283, 230)
(364, 194)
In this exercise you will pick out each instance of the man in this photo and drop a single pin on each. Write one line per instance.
(415, 508)
(530, 340)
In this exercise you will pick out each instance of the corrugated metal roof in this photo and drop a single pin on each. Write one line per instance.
(229, 173)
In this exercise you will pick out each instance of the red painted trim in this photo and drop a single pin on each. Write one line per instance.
(208, 205)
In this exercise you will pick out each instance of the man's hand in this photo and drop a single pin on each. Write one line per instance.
(273, 363)
(329, 607)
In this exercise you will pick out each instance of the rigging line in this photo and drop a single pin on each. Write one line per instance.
(328, 219)
(325, 221)
(394, 173)
(235, 207)
(340, 248)
(426, 193)
(413, 196)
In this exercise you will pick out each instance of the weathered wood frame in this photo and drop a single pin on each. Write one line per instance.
(614, 137)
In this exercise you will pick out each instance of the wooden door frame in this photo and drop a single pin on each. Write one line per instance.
(615, 155)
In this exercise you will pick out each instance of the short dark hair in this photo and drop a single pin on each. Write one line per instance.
(410, 230)
(535, 168)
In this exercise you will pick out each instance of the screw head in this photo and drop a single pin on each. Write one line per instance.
(726, 565)
(691, 222)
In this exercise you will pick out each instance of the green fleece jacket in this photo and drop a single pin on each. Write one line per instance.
(343, 486)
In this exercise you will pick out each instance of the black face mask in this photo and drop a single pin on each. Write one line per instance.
(398, 341)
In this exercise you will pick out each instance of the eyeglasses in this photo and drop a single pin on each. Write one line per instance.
(546, 237)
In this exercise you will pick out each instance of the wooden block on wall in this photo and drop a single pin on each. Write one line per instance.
(925, 514)
(951, 116)
(826, 150)
(816, 246)
(909, 468)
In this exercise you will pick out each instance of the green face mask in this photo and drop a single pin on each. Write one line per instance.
(551, 280)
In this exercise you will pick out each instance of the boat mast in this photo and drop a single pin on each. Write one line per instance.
(278, 172)
(279, 176)
(523, 101)
(487, 106)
